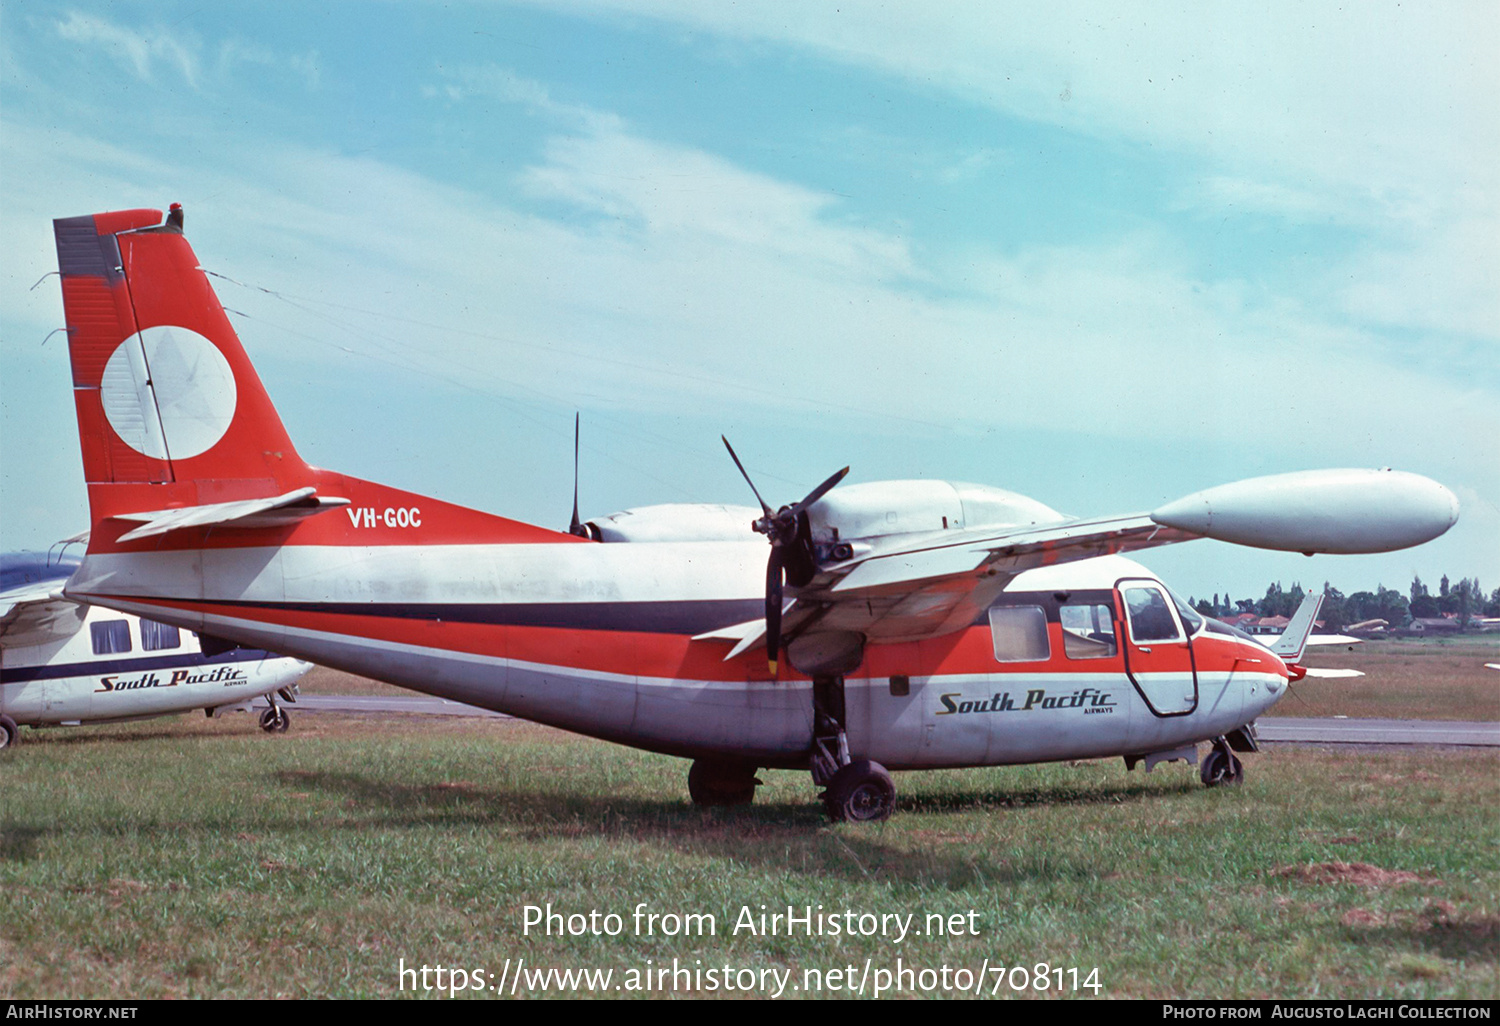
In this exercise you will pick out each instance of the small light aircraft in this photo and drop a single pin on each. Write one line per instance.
(890, 625)
(64, 662)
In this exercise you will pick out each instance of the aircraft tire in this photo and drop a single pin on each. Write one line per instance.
(1221, 768)
(275, 721)
(721, 783)
(10, 734)
(861, 792)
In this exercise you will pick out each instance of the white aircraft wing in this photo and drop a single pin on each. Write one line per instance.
(34, 614)
(917, 586)
(913, 585)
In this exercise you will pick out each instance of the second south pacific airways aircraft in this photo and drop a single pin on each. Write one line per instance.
(888, 626)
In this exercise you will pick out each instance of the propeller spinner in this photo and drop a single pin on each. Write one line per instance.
(791, 549)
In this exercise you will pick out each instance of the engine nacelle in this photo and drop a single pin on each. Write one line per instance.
(904, 507)
(676, 522)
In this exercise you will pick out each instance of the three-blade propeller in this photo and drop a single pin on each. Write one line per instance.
(791, 549)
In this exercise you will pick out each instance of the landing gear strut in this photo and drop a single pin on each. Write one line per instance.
(1221, 766)
(274, 720)
(855, 792)
(711, 782)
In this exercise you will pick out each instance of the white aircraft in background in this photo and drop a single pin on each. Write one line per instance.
(65, 663)
(1303, 621)
(882, 625)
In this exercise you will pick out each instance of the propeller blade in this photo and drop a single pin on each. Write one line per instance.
(773, 608)
(818, 492)
(766, 509)
(576, 526)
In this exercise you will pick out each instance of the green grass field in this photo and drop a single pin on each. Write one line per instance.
(189, 857)
(1417, 679)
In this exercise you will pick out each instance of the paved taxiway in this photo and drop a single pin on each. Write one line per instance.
(1311, 731)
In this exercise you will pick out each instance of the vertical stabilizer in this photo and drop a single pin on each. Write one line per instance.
(170, 411)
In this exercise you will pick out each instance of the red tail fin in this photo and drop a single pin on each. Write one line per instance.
(165, 392)
(175, 423)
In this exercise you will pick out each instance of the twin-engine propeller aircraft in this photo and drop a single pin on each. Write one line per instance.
(64, 662)
(896, 625)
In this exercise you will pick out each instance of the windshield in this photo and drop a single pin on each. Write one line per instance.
(1191, 618)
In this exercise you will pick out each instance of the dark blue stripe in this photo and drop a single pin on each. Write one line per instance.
(102, 667)
(647, 617)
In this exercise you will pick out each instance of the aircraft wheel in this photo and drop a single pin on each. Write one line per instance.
(721, 783)
(1222, 768)
(10, 734)
(275, 720)
(861, 792)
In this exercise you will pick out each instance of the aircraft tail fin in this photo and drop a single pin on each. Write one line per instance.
(165, 392)
(1293, 641)
(179, 436)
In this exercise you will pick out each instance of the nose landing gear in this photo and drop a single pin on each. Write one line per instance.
(1221, 766)
(275, 719)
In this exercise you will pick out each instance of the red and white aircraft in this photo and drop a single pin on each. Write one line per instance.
(923, 624)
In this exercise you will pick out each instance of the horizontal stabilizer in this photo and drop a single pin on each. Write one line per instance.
(281, 511)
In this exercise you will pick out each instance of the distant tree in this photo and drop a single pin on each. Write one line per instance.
(1361, 606)
(1417, 589)
(1335, 612)
(1392, 607)
(1248, 605)
(1492, 606)
(1205, 607)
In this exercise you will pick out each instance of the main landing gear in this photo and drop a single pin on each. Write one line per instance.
(10, 734)
(853, 792)
(716, 782)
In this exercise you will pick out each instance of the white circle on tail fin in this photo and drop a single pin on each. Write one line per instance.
(168, 392)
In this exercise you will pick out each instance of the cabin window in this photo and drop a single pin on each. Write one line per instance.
(1150, 617)
(1020, 634)
(1088, 631)
(156, 636)
(110, 636)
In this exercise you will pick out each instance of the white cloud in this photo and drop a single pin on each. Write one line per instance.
(1310, 98)
(139, 52)
(491, 82)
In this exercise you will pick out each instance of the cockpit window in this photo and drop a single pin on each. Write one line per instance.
(1088, 631)
(1190, 616)
(1150, 618)
(1220, 627)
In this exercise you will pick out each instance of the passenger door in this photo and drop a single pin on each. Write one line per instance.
(1158, 650)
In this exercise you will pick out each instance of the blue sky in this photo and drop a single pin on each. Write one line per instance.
(1103, 255)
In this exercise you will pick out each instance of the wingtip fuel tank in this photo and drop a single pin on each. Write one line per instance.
(1319, 511)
